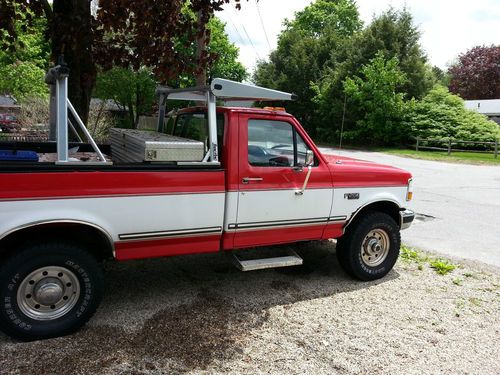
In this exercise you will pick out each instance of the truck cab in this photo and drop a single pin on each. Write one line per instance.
(257, 180)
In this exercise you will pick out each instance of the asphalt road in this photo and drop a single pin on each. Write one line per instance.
(459, 206)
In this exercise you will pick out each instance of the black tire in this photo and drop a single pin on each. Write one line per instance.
(61, 258)
(353, 258)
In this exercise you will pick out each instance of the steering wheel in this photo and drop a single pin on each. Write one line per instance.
(256, 151)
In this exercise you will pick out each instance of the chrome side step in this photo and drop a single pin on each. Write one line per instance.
(291, 259)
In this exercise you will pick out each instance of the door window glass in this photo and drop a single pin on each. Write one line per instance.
(274, 144)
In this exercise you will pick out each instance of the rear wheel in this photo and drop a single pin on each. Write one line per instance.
(48, 290)
(370, 247)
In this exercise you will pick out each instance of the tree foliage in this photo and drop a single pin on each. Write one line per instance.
(395, 34)
(22, 70)
(133, 90)
(341, 15)
(311, 46)
(22, 79)
(476, 75)
(324, 55)
(441, 114)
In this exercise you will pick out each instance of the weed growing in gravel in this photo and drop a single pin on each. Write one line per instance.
(409, 254)
(442, 266)
(458, 281)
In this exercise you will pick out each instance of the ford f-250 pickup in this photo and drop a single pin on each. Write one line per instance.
(260, 180)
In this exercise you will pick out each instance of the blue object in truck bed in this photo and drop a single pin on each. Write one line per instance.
(18, 155)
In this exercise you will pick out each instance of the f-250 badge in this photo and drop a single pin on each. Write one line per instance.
(351, 196)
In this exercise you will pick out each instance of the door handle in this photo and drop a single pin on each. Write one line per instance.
(247, 180)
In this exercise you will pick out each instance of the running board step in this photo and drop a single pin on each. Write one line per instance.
(292, 259)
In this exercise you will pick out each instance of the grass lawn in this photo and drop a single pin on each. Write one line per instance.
(455, 157)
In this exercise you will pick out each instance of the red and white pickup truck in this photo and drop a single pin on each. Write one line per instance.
(263, 182)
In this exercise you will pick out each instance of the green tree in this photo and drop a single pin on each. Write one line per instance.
(132, 90)
(342, 15)
(395, 34)
(377, 96)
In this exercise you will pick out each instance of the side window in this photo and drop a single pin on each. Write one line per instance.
(274, 144)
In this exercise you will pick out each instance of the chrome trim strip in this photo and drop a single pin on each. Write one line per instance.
(278, 223)
(245, 190)
(169, 233)
(63, 221)
(337, 218)
(273, 227)
(316, 188)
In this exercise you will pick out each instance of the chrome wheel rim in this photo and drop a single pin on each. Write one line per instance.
(48, 293)
(375, 247)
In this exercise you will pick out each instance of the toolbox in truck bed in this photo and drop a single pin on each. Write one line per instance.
(136, 146)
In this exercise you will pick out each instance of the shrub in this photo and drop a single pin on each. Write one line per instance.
(441, 114)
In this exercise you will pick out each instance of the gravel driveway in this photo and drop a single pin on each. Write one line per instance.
(199, 314)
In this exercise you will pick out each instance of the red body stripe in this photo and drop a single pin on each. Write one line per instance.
(82, 184)
(211, 243)
(167, 247)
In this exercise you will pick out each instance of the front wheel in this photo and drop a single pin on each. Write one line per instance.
(370, 247)
(48, 290)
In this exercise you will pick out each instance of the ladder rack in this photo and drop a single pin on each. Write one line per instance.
(223, 89)
(58, 77)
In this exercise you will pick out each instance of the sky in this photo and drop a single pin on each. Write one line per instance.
(448, 27)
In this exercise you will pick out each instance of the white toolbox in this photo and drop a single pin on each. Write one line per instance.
(137, 146)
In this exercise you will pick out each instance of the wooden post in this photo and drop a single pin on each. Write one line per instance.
(416, 147)
(496, 149)
(449, 146)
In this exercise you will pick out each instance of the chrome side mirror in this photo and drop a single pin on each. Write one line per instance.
(309, 158)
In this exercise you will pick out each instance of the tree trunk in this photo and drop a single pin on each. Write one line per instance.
(201, 75)
(72, 36)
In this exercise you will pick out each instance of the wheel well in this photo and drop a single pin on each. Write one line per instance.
(388, 207)
(94, 240)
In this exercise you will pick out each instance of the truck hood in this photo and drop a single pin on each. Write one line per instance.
(360, 173)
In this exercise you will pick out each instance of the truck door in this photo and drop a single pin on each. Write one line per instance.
(271, 170)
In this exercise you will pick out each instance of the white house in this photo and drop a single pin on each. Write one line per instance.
(488, 107)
